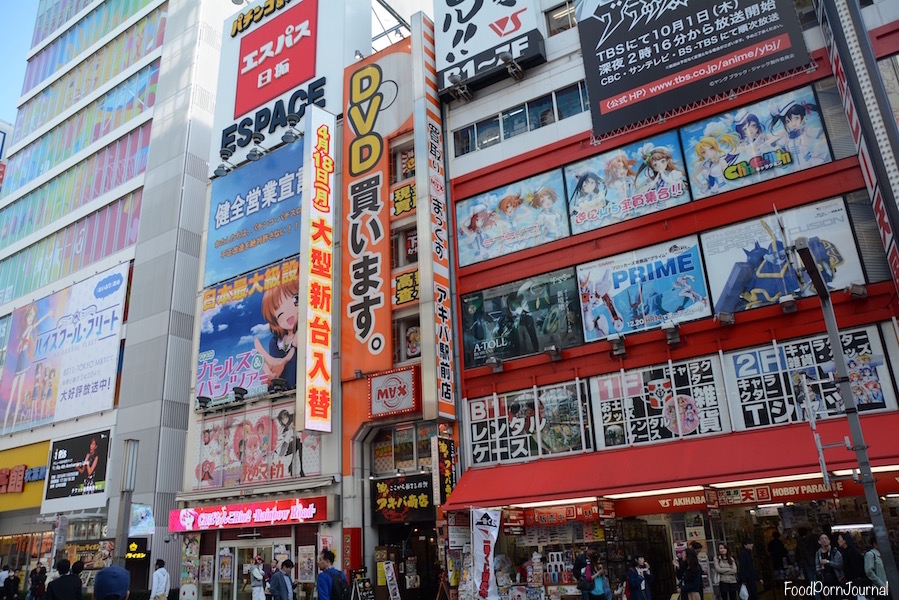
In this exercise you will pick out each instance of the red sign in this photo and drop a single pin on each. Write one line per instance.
(251, 514)
(651, 505)
(277, 57)
(563, 513)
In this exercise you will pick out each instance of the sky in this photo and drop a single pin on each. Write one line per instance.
(16, 28)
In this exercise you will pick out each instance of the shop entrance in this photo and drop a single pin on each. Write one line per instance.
(234, 560)
(417, 563)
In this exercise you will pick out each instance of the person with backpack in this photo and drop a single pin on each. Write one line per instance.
(331, 583)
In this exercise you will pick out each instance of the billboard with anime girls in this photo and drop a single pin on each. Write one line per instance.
(248, 332)
(640, 290)
(522, 215)
(628, 182)
(768, 139)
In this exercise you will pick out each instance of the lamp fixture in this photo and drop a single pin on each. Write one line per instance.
(858, 291)
(203, 402)
(237, 2)
(239, 393)
(553, 352)
(460, 90)
(257, 151)
(672, 332)
(617, 342)
(292, 135)
(360, 374)
(788, 303)
(514, 69)
(495, 363)
(358, 55)
(725, 318)
(223, 169)
(277, 384)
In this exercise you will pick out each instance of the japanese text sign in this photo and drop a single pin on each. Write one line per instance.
(251, 514)
(22, 474)
(402, 499)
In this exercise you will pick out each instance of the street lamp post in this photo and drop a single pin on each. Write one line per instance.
(129, 474)
(851, 408)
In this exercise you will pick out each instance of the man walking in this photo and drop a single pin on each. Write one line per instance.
(65, 587)
(282, 582)
(747, 572)
(327, 581)
(161, 582)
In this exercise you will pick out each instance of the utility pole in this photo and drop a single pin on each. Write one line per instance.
(851, 408)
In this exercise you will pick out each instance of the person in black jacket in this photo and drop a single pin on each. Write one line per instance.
(639, 578)
(853, 561)
(689, 574)
(65, 587)
(747, 574)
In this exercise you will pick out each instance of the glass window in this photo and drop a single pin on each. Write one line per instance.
(561, 18)
(540, 112)
(406, 339)
(402, 163)
(382, 452)
(568, 101)
(425, 432)
(514, 121)
(404, 448)
(487, 132)
(463, 140)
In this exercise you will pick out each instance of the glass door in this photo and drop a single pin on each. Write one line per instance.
(245, 565)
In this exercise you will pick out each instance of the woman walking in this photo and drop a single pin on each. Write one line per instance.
(726, 569)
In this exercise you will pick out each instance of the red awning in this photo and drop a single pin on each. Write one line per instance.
(772, 452)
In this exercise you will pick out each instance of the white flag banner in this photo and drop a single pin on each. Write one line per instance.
(484, 529)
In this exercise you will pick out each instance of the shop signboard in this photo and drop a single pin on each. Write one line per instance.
(520, 318)
(248, 333)
(545, 421)
(803, 490)
(515, 217)
(76, 476)
(22, 474)
(748, 264)
(761, 141)
(138, 554)
(640, 290)
(254, 215)
(666, 503)
(634, 180)
(290, 511)
(94, 555)
(767, 381)
(402, 499)
(484, 531)
(471, 38)
(404, 287)
(394, 392)
(585, 512)
(643, 58)
(64, 358)
(443, 467)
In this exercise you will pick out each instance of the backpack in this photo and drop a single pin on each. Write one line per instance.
(340, 590)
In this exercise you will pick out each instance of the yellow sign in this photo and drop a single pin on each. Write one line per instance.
(33, 457)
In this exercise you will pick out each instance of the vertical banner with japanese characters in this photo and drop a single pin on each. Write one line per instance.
(433, 231)
(317, 278)
(484, 531)
(378, 108)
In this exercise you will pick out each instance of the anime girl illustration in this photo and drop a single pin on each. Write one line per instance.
(478, 231)
(510, 219)
(37, 393)
(24, 359)
(807, 144)
(280, 309)
(620, 175)
(589, 194)
(660, 168)
(684, 285)
(595, 303)
(715, 150)
(754, 140)
(550, 223)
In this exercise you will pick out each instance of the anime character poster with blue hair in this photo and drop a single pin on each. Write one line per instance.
(634, 180)
(640, 290)
(755, 143)
(748, 263)
(515, 217)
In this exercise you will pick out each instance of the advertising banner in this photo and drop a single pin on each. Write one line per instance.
(484, 531)
(643, 58)
(94, 555)
(767, 381)
(141, 521)
(395, 392)
(631, 181)
(254, 216)
(470, 37)
(768, 139)
(748, 264)
(376, 111)
(520, 318)
(402, 499)
(248, 334)
(522, 215)
(640, 290)
(64, 356)
(443, 468)
(250, 514)
(514, 427)
(76, 476)
(660, 403)
(22, 474)
(190, 560)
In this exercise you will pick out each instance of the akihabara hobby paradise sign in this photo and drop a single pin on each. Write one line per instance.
(643, 58)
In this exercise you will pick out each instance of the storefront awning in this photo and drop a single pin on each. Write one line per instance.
(773, 452)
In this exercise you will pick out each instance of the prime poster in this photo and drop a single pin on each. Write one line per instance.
(644, 58)
(748, 263)
(642, 289)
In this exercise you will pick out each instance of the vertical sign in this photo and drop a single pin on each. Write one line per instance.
(317, 283)
(484, 530)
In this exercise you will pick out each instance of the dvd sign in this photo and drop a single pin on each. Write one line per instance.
(394, 392)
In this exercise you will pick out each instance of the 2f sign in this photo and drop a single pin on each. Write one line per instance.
(365, 102)
(483, 62)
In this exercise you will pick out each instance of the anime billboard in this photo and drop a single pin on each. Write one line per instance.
(248, 334)
(640, 290)
(784, 381)
(768, 139)
(748, 264)
(520, 318)
(254, 217)
(62, 358)
(660, 403)
(631, 181)
(522, 215)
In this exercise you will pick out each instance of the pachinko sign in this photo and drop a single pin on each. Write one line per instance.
(248, 334)
(253, 514)
(317, 264)
(62, 359)
(375, 112)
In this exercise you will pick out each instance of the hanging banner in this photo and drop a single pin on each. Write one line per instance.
(190, 560)
(484, 530)
(393, 587)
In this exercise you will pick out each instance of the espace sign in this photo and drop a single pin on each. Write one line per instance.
(276, 58)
